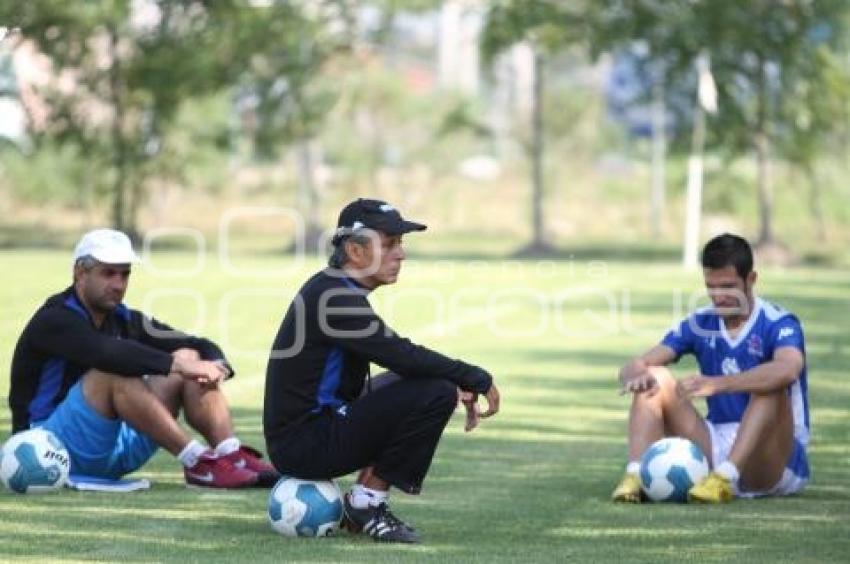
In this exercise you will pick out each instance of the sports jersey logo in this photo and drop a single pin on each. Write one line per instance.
(729, 366)
(785, 332)
(754, 346)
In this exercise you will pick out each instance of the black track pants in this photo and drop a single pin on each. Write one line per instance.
(395, 428)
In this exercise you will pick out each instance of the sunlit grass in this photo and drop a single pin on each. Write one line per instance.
(530, 485)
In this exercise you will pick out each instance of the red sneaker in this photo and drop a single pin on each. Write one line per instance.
(212, 471)
(251, 459)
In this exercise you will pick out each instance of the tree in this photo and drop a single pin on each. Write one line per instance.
(642, 32)
(817, 124)
(290, 92)
(763, 54)
(121, 70)
(546, 27)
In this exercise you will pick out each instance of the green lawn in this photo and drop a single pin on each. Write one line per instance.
(530, 485)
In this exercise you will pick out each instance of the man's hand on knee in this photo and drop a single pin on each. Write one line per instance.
(201, 371)
(644, 383)
(473, 412)
(636, 377)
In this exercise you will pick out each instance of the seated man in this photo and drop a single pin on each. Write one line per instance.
(317, 423)
(751, 356)
(109, 382)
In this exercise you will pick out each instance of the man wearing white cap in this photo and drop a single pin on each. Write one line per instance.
(109, 381)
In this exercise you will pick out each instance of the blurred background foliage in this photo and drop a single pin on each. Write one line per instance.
(511, 126)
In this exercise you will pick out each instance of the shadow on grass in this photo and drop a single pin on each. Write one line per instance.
(592, 359)
(628, 253)
(487, 494)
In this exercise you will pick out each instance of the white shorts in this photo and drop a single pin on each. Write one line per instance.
(794, 477)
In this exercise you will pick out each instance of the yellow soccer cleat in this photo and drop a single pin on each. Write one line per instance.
(713, 489)
(628, 490)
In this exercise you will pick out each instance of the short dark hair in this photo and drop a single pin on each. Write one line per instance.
(728, 250)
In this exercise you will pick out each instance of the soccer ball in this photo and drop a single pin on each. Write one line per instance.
(670, 467)
(34, 461)
(305, 508)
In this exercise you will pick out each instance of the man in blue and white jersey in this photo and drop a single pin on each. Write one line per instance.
(752, 362)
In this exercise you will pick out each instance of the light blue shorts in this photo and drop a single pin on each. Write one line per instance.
(106, 448)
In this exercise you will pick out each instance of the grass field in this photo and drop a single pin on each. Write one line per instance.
(531, 485)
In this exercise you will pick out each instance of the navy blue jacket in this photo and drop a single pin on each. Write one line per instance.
(320, 357)
(61, 343)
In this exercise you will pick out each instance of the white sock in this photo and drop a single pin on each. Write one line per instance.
(633, 467)
(728, 471)
(362, 497)
(190, 453)
(227, 446)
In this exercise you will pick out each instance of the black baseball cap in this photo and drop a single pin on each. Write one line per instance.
(373, 214)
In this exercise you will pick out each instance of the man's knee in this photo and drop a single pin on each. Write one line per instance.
(101, 388)
(169, 391)
(441, 392)
(663, 377)
(665, 387)
(425, 392)
(96, 381)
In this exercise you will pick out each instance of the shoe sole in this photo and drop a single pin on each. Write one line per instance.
(708, 501)
(397, 541)
(631, 498)
(352, 527)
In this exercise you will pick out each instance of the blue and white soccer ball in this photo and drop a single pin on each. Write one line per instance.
(34, 461)
(670, 467)
(305, 508)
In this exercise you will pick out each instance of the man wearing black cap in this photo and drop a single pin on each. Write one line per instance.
(318, 421)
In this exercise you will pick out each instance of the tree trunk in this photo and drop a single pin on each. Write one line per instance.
(308, 197)
(765, 195)
(537, 148)
(693, 203)
(659, 151)
(538, 245)
(762, 144)
(119, 145)
(136, 197)
(816, 203)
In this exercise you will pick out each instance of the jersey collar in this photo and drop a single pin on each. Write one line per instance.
(745, 330)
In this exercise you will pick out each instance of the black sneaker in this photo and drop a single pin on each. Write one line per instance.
(378, 522)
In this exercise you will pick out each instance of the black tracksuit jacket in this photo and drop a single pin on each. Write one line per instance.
(320, 357)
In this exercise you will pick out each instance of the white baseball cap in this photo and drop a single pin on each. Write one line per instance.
(107, 246)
